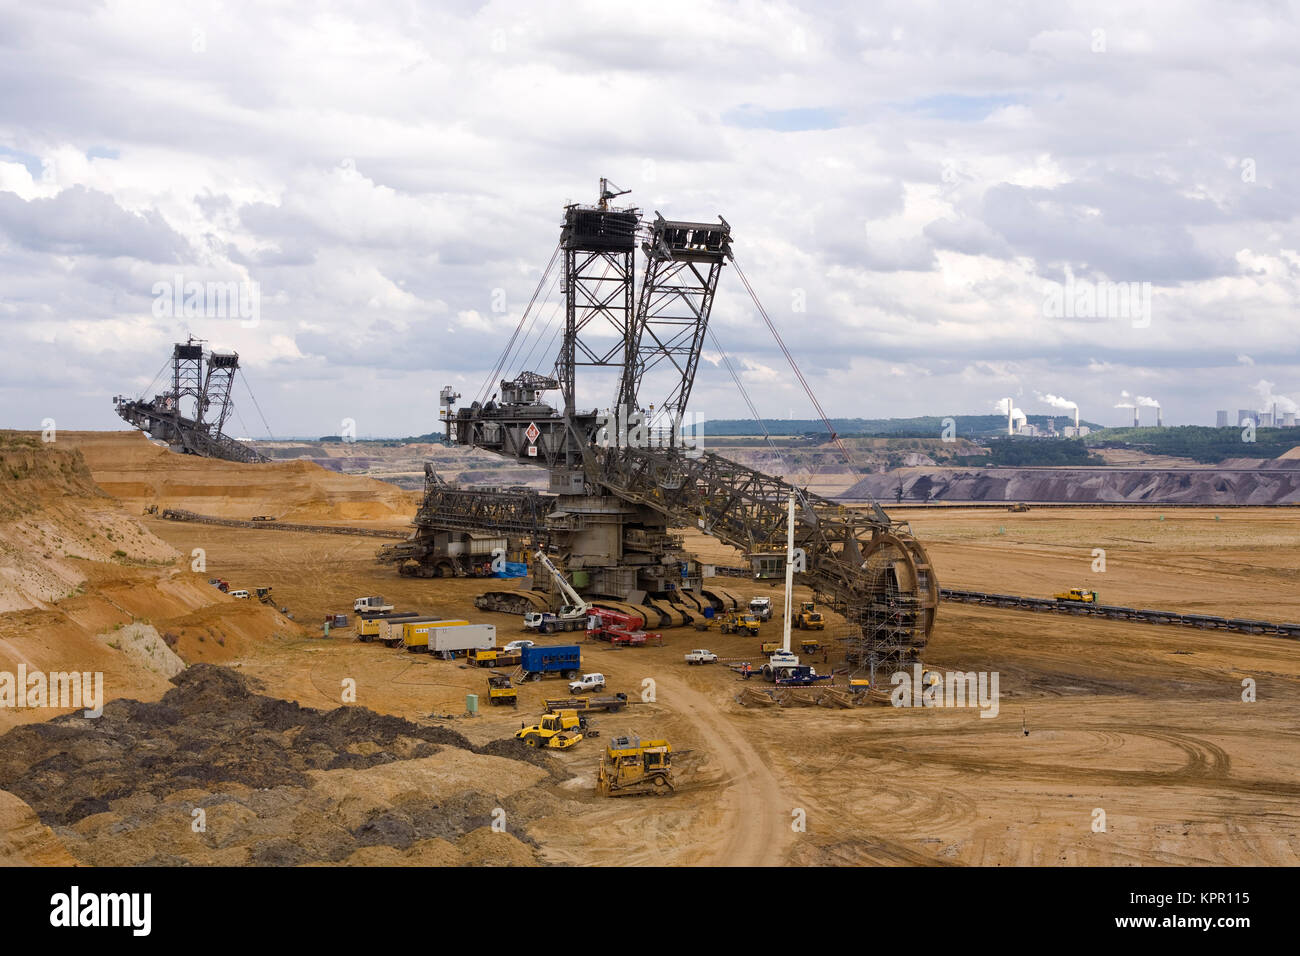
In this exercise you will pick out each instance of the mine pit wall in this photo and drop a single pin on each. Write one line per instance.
(1271, 483)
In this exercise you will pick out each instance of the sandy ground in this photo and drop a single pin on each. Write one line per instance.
(1239, 561)
(1145, 725)
(139, 473)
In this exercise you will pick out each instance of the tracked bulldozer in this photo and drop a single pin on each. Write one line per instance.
(631, 766)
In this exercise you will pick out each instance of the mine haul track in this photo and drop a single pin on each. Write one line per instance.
(178, 514)
(1114, 612)
(1110, 612)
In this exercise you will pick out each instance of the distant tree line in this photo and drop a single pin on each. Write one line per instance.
(1200, 443)
(1041, 451)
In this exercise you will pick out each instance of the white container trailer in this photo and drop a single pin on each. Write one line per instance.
(459, 637)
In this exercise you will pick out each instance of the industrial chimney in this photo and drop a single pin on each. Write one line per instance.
(1158, 425)
(1136, 421)
(1011, 420)
(1076, 418)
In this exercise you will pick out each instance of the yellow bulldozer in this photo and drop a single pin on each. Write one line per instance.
(633, 766)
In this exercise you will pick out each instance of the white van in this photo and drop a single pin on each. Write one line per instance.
(239, 594)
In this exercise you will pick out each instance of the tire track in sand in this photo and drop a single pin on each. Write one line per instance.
(758, 831)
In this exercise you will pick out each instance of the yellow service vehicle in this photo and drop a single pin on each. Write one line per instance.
(559, 730)
(1078, 595)
(739, 623)
(502, 691)
(631, 766)
(810, 645)
(809, 618)
(730, 622)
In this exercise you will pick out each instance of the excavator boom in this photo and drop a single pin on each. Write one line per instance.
(867, 567)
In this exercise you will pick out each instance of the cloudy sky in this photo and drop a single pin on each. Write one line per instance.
(914, 190)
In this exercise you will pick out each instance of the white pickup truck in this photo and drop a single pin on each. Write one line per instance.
(373, 605)
(587, 682)
(701, 656)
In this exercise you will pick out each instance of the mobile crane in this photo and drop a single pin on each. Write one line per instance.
(571, 617)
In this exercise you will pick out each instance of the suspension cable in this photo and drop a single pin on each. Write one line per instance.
(148, 388)
(248, 388)
(505, 353)
(794, 366)
(542, 327)
(753, 411)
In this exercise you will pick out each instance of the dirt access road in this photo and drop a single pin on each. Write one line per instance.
(760, 812)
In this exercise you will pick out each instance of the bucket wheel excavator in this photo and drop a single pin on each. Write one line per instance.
(621, 478)
(191, 416)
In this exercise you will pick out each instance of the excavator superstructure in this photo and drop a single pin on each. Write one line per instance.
(623, 476)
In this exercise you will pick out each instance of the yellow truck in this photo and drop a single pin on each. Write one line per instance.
(1078, 596)
(738, 622)
(632, 766)
(559, 730)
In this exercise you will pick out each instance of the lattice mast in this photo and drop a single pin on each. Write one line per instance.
(599, 245)
(683, 261)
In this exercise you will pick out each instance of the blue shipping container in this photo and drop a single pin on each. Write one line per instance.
(513, 569)
(563, 657)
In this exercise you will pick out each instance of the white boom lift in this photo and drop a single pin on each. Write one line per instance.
(570, 614)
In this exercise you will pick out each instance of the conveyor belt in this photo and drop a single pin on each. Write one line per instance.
(177, 514)
(1111, 612)
(1114, 612)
